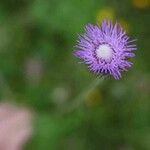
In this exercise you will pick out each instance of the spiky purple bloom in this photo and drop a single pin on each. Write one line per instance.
(105, 49)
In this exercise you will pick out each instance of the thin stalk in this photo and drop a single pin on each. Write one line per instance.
(81, 97)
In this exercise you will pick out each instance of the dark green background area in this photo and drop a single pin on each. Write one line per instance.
(38, 70)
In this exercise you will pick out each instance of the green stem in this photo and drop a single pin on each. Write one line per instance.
(80, 98)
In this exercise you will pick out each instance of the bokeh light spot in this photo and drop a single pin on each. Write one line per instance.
(141, 3)
(105, 13)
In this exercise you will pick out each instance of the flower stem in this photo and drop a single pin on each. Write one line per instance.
(80, 98)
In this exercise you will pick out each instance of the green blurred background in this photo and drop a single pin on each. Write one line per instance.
(38, 70)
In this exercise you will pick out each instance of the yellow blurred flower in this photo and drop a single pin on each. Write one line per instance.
(105, 13)
(124, 24)
(93, 98)
(141, 3)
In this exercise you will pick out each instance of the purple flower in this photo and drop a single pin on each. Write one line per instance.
(105, 49)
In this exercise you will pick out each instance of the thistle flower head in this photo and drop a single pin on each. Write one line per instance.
(105, 49)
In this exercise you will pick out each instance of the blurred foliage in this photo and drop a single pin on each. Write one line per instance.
(37, 69)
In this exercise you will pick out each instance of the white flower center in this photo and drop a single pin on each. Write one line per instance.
(104, 51)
